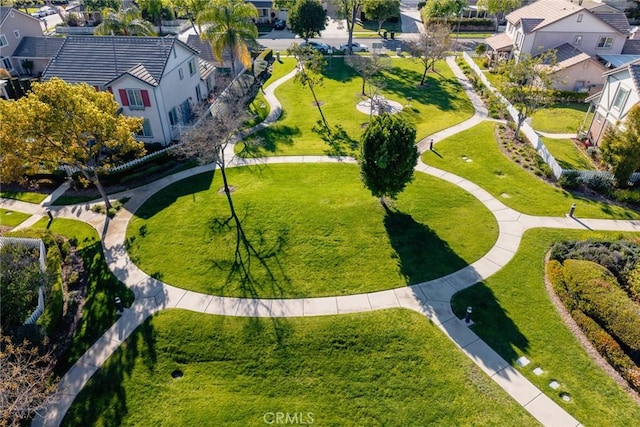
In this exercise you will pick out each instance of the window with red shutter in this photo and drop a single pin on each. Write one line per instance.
(123, 97)
(145, 98)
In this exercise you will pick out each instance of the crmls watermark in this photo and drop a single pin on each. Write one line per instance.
(299, 418)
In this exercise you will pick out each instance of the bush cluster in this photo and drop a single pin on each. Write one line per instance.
(603, 312)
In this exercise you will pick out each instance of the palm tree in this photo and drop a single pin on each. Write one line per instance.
(230, 28)
(127, 22)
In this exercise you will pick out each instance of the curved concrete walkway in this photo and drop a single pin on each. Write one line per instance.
(430, 298)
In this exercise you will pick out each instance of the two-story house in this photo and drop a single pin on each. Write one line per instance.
(14, 27)
(550, 24)
(620, 92)
(160, 79)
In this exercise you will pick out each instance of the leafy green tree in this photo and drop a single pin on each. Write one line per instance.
(444, 8)
(99, 5)
(620, 147)
(349, 9)
(155, 11)
(191, 9)
(527, 83)
(431, 46)
(368, 66)
(126, 22)
(381, 10)
(307, 19)
(389, 155)
(230, 29)
(310, 64)
(20, 278)
(61, 124)
(283, 4)
(499, 7)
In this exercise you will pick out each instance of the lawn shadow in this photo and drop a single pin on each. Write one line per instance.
(421, 254)
(437, 90)
(492, 321)
(103, 399)
(255, 268)
(162, 199)
(338, 140)
(270, 139)
(336, 69)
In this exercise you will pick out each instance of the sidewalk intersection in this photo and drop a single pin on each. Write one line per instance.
(431, 298)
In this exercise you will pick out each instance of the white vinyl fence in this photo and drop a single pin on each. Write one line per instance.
(534, 138)
(38, 244)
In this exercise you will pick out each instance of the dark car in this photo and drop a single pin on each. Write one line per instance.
(280, 24)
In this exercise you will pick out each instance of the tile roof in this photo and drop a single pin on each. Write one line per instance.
(631, 47)
(542, 13)
(38, 47)
(499, 42)
(206, 51)
(615, 18)
(568, 55)
(98, 60)
(634, 70)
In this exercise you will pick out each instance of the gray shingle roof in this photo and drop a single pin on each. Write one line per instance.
(98, 60)
(631, 47)
(613, 17)
(634, 70)
(568, 55)
(206, 52)
(38, 47)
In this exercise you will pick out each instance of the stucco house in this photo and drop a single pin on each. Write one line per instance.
(575, 31)
(620, 92)
(160, 79)
(14, 27)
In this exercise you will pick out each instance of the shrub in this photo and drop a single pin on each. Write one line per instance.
(600, 298)
(481, 48)
(625, 195)
(599, 184)
(570, 180)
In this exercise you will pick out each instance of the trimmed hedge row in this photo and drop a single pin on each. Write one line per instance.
(599, 297)
(560, 276)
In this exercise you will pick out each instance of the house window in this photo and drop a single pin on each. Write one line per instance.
(192, 66)
(16, 33)
(6, 63)
(620, 99)
(580, 16)
(146, 129)
(3, 40)
(175, 55)
(198, 93)
(135, 99)
(599, 117)
(173, 116)
(180, 73)
(605, 42)
(577, 40)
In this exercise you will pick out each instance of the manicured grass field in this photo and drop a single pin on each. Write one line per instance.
(385, 368)
(331, 236)
(438, 105)
(505, 180)
(560, 118)
(10, 218)
(24, 196)
(514, 315)
(567, 154)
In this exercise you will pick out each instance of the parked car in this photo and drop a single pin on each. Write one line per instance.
(280, 24)
(319, 46)
(355, 47)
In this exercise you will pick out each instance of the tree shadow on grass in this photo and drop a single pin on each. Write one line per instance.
(339, 71)
(338, 140)
(492, 322)
(421, 254)
(437, 90)
(270, 140)
(187, 187)
(103, 400)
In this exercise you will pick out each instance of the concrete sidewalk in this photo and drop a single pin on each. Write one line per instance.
(430, 298)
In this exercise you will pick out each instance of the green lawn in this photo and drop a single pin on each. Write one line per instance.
(99, 311)
(567, 154)
(507, 181)
(370, 28)
(24, 196)
(514, 315)
(560, 118)
(385, 368)
(331, 236)
(442, 103)
(10, 218)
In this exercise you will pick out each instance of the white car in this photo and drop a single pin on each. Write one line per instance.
(355, 47)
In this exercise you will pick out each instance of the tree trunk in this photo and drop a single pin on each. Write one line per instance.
(315, 100)
(92, 176)
(521, 118)
(363, 83)
(424, 75)
(380, 26)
